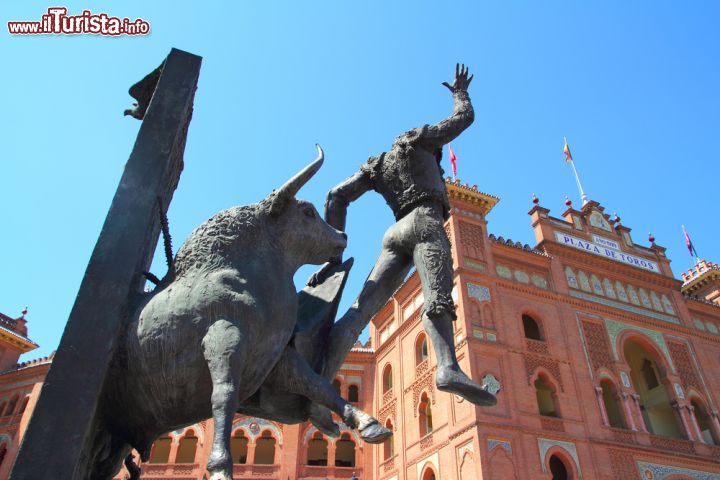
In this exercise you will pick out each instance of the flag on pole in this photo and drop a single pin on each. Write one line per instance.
(689, 244)
(566, 151)
(453, 161)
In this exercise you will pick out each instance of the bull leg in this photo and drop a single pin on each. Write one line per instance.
(223, 350)
(297, 377)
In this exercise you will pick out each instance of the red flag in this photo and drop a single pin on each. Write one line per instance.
(453, 161)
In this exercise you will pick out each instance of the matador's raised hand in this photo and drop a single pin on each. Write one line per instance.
(462, 81)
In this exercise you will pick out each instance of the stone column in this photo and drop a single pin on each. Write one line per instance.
(641, 420)
(601, 404)
(694, 423)
(680, 411)
(331, 454)
(174, 446)
(628, 410)
(251, 453)
(715, 423)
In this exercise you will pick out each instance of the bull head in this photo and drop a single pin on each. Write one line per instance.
(287, 192)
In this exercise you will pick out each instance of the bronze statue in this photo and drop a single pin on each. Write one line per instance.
(409, 178)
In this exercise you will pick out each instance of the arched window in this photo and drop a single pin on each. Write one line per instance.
(389, 444)
(3, 452)
(265, 449)
(425, 414)
(317, 451)
(611, 402)
(353, 394)
(659, 416)
(345, 451)
(429, 475)
(239, 447)
(24, 404)
(336, 385)
(187, 448)
(11, 406)
(704, 423)
(558, 469)
(160, 452)
(546, 398)
(387, 378)
(421, 349)
(532, 329)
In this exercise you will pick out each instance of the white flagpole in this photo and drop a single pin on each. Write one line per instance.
(583, 197)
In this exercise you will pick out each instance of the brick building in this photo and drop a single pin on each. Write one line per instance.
(606, 367)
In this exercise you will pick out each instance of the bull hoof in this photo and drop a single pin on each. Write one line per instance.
(455, 381)
(375, 433)
(219, 476)
(322, 419)
(219, 466)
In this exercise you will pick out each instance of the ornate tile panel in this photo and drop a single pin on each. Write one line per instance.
(655, 471)
(627, 308)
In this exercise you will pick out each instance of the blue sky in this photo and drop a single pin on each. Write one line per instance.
(633, 85)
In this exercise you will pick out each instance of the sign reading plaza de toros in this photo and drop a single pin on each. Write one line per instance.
(606, 251)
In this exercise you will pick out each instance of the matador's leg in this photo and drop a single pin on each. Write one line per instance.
(390, 270)
(434, 265)
(387, 275)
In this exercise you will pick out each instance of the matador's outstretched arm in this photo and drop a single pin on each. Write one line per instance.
(463, 113)
(340, 197)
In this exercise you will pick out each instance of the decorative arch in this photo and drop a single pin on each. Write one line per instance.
(487, 317)
(566, 451)
(387, 378)
(654, 341)
(265, 448)
(649, 371)
(239, 441)
(532, 327)
(422, 350)
(255, 426)
(609, 392)
(429, 472)
(187, 447)
(389, 444)
(160, 450)
(316, 453)
(353, 393)
(345, 451)
(546, 395)
(11, 405)
(176, 435)
(702, 419)
(425, 415)
(337, 385)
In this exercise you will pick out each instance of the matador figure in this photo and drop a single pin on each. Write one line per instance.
(409, 178)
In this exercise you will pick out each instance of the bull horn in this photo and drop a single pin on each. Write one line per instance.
(285, 193)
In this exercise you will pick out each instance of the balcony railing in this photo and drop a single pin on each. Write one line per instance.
(256, 471)
(536, 346)
(330, 472)
(180, 471)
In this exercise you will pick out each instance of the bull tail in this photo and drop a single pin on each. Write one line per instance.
(167, 245)
(167, 241)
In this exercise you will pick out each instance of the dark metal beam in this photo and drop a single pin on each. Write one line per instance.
(57, 440)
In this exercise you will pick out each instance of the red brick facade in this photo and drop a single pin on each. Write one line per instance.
(607, 366)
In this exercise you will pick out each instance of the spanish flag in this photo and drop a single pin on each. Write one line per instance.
(566, 151)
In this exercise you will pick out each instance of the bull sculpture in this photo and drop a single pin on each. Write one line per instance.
(218, 331)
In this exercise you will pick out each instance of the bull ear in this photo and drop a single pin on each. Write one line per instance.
(286, 193)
